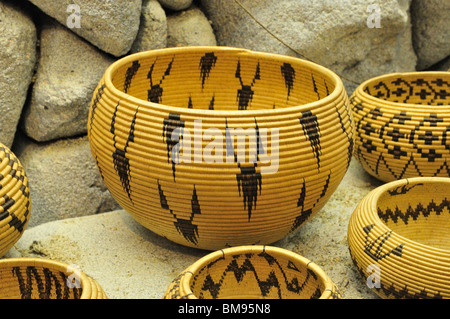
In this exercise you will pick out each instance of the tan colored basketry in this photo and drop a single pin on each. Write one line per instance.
(38, 278)
(253, 272)
(298, 121)
(399, 238)
(14, 199)
(402, 125)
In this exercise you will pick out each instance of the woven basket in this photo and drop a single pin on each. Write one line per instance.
(402, 125)
(38, 278)
(399, 238)
(14, 199)
(298, 121)
(253, 272)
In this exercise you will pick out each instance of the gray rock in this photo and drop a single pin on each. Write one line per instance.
(17, 60)
(153, 28)
(431, 31)
(110, 25)
(141, 264)
(176, 4)
(64, 180)
(190, 28)
(332, 33)
(68, 71)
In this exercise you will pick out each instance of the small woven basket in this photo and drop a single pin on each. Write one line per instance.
(253, 272)
(402, 125)
(14, 199)
(214, 147)
(38, 278)
(399, 238)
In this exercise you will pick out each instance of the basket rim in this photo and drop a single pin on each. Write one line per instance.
(112, 69)
(192, 270)
(372, 214)
(367, 97)
(86, 289)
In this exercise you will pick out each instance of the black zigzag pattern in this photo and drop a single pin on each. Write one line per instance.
(397, 215)
(239, 270)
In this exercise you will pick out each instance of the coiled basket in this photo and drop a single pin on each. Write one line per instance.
(213, 147)
(39, 278)
(402, 125)
(399, 238)
(14, 199)
(253, 272)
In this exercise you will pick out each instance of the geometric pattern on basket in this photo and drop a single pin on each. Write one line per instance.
(417, 91)
(17, 172)
(249, 180)
(185, 227)
(44, 283)
(396, 214)
(273, 278)
(375, 248)
(305, 213)
(410, 210)
(406, 140)
(120, 160)
(170, 124)
(15, 209)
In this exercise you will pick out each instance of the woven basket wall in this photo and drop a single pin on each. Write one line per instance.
(253, 272)
(222, 199)
(399, 238)
(37, 278)
(402, 125)
(14, 199)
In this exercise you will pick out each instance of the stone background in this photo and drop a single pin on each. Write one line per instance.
(48, 71)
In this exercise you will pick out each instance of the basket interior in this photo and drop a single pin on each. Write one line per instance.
(419, 212)
(222, 80)
(260, 275)
(423, 89)
(36, 282)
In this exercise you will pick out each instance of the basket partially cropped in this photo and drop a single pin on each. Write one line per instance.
(39, 278)
(402, 125)
(253, 272)
(14, 199)
(213, 147)
(399, 238)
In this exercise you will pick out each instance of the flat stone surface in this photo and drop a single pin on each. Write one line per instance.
(131, 262)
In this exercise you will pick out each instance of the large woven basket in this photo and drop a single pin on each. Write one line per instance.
(399, 238)
(14, 199)
(253, 272)
(156, 115)
(39, 278)
(402, 124)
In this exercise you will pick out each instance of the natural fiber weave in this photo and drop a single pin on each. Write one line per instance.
(143, 98)
(253, 272)
(14, 199)
(399, 236)
(402, 124)
(36, 278)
